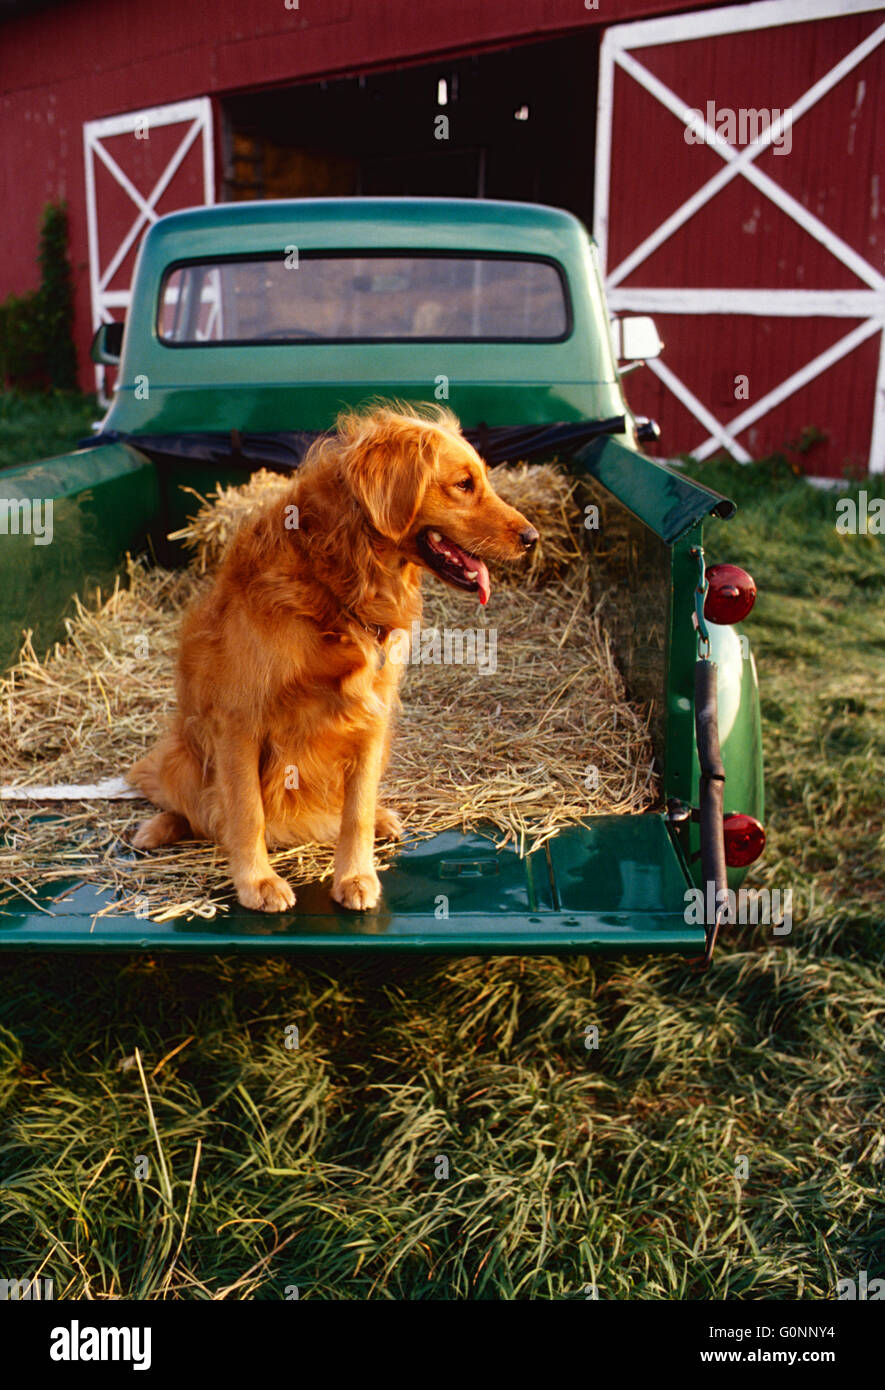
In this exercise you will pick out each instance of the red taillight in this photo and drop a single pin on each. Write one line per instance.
(731, 595)
(744, 840)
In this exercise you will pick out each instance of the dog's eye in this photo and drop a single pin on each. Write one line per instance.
(466, 485)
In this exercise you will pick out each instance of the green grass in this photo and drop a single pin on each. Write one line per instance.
(321, 1167)
(35, 427)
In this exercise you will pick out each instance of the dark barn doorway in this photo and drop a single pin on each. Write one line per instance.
(521, 124)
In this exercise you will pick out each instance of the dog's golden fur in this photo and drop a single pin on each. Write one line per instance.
(283, 721)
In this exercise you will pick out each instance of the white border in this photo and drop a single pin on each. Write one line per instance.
(867, 304)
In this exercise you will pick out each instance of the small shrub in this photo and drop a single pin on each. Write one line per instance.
(37, 328)
(22, 359)
(55, 299)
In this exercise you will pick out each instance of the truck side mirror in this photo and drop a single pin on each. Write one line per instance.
(107, 345)
(636, 339)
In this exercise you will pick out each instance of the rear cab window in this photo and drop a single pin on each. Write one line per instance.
(366, 297)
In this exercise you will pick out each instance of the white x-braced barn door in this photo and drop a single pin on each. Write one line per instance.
(740, 198)
(139, 165)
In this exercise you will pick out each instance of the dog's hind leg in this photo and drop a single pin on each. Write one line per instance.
(167, 828)
(171, 777)
(388, 825)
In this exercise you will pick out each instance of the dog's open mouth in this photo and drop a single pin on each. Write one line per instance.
(454, 565)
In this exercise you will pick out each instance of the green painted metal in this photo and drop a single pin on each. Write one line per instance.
(680, 759)
(104, 501)
(674, 508)
(613, 884)
(665, 501)
(740, 719)
(740, 733)
(166, 389)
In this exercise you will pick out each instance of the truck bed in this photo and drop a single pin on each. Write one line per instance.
(604, 882)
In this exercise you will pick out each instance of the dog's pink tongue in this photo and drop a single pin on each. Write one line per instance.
(484, 584)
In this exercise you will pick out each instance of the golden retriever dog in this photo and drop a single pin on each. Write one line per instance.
(285, 696)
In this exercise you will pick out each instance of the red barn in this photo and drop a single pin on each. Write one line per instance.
(725, 158)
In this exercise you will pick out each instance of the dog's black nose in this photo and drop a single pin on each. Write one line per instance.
(529, 537)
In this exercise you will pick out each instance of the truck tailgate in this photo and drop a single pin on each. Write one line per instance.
(613, 883)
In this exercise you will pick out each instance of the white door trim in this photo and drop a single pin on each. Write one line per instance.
(198, 113)
(867, 304)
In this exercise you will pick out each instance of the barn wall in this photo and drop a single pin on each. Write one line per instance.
(74, 62)
(79, 61)
(743, 240)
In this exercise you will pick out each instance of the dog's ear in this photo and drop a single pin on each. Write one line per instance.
(388, 462)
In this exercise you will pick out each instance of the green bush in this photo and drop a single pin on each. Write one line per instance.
(55, 299)
(37, 328)
(22, 357)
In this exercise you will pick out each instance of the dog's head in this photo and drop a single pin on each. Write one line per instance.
(425, 490)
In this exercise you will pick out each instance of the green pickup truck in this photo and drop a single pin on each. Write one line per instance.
(497, 309)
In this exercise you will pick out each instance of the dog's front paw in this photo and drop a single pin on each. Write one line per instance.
(360, 892)
(388, 825)
(270, 894)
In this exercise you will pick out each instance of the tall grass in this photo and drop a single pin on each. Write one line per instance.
(34, 427)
